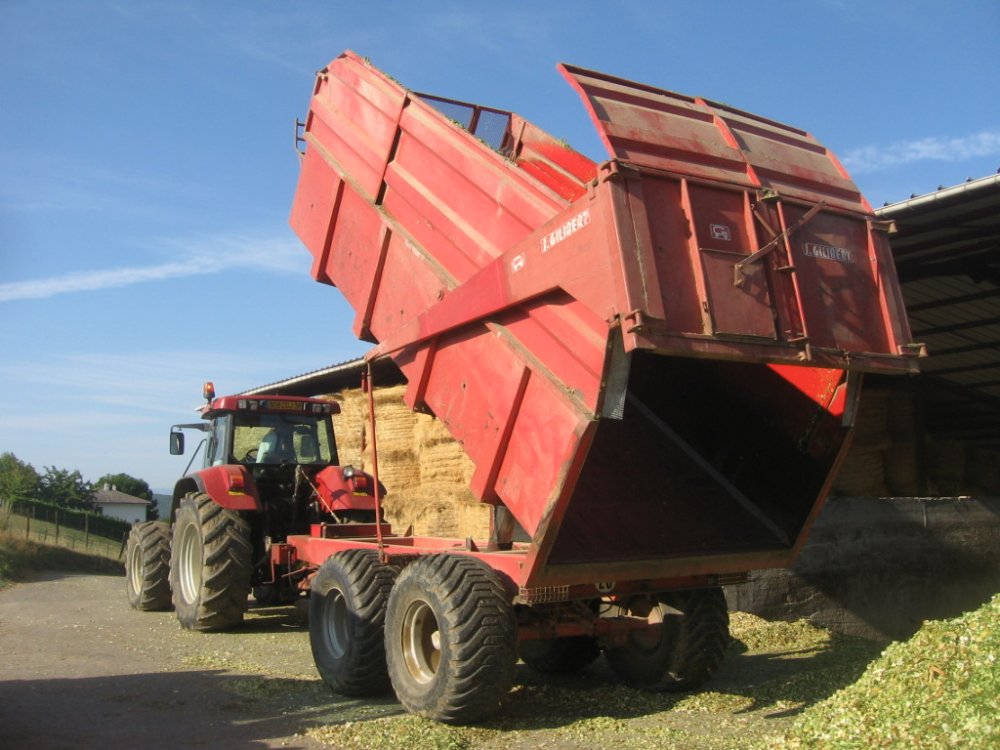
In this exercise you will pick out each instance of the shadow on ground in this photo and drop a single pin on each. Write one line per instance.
(172, 710)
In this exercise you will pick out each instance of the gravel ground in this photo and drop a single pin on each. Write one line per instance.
(83, 670)
(80, 669)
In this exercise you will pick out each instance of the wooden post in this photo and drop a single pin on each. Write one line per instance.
(57, 527)
(86, 532)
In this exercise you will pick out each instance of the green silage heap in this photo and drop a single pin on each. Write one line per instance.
(940, 689)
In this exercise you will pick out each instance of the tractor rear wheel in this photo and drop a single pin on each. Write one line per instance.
(684, 648)
(210, 564)
(450, 639)
(346, 622)
(147, 566)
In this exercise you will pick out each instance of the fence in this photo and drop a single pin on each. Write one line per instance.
(86, 532)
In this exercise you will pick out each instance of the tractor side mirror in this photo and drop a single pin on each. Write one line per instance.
(176, 443)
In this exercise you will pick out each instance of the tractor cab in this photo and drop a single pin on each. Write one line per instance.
(271, 462)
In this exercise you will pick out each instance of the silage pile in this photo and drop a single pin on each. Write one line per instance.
(425, 471)
(940, 689)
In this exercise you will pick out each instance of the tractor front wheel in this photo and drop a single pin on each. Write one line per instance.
(450, 639)
(147, 566)
(210, 564)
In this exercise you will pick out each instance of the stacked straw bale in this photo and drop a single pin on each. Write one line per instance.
(902, 470)
(863, 472)
(425, 471)
(886, 457)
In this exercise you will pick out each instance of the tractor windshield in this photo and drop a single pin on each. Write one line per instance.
(283, 438)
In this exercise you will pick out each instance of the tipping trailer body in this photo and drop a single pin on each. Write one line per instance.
(652, 362)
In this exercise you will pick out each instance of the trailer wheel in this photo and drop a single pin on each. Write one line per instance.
(210, 564)
(686, 649)
(346, 622)
(147, 566)
(450, 639)
(560, 655)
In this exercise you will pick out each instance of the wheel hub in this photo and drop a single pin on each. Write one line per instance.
(190, 564)
(421, 642)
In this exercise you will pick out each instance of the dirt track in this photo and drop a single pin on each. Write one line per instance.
(80, 669)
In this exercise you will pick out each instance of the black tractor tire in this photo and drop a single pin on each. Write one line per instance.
(210, 564)
(685, 651)
(450, 639)
(347, 606)
(147, 567)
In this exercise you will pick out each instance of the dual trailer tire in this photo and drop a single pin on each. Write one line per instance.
(346, 620)
(684, 651)
(210, 564)
(147, 567)
(443, 635)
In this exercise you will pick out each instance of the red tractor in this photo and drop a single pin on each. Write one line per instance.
(269, 470)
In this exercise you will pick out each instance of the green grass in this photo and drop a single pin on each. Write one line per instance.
(19, 557)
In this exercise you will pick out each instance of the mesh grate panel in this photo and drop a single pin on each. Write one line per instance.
(492, 127)
(489, 125)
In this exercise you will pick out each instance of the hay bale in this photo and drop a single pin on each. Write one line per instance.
(871, 426)
(901, 416)
(426, 472)
(428, 432)
(946, 465)
(446, 462)
(902, 472)
(350, 426)
(862, 474)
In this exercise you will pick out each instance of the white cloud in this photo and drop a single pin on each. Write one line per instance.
(877, 158)
(205, 255)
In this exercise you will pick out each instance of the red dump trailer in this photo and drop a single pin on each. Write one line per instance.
(653, 362)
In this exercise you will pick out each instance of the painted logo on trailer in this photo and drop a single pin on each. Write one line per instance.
(827, 252)
(567, 230)
(720, 232)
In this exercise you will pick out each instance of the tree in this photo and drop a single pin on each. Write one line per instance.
(130, 486)
(18, 480)
(66, 488)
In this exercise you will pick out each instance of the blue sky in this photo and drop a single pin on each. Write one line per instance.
(147, 170)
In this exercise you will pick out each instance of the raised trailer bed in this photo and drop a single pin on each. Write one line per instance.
(653, 363)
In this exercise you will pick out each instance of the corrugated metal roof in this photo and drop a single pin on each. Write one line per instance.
(332, 378)
(947, 250)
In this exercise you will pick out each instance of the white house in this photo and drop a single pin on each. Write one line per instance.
(115, 504)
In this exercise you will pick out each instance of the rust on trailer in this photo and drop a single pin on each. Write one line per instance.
(653, 362)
